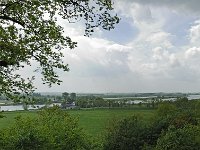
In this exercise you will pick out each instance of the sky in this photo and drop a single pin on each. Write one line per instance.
(154, 48)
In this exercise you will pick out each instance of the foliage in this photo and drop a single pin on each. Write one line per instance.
(1, 116)
(197, 108)
(68, 99)
(182, 103)
(134, 133)
(167, 128)
(73, 97)
(168, 115)
(126, 134)
(176, 116)
(93, 121)
(91, 102)
(187, 138)
(165, 109)
(29, 32)
(52, 129)
(65, 95)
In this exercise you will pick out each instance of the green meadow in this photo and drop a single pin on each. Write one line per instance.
(93, 121)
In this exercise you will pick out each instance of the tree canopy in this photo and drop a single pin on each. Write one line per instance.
(29, 32)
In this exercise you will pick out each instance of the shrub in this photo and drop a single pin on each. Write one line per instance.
(1, 115)
(53, 129)
(128, 133)
(187, 138)
(132, 133)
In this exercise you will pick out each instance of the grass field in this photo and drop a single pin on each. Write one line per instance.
(93, 121)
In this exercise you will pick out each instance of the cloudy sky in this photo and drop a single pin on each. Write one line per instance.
(155, 48)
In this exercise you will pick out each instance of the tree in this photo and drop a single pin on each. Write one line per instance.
(65, 96)
(73, 97)
(29, 32)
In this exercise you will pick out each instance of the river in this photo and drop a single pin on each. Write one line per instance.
(20, 107)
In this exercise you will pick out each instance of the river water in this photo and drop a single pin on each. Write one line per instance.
(20, 107)
(190, 97)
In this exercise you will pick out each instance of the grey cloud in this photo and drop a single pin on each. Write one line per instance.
(180, 5)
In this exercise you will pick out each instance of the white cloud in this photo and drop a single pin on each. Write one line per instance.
(97, 57)
(151, 58)
(159, 38)
(159, 53)
(193, 53)
(174, 61)
(140, 14)
(149, 62)
(149, 24)
(195, 33)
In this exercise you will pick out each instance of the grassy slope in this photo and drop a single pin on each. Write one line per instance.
(93, 121)
(9, 117)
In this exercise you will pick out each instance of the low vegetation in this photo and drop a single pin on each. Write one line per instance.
(51, 129)
(171, 126)
(93, 121)
(175, 126)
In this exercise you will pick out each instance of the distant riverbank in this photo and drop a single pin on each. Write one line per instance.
(131, 100)
(20, 107)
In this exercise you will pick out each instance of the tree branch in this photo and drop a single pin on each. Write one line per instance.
(13, 20)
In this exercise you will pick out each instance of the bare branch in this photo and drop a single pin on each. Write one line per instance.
(13, 20)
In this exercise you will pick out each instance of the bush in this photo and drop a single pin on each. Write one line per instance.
(1, 115)
(53, 129)
(187, 138)
(165, 109)
(132, 133)
(168, 115)
(128, 133)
